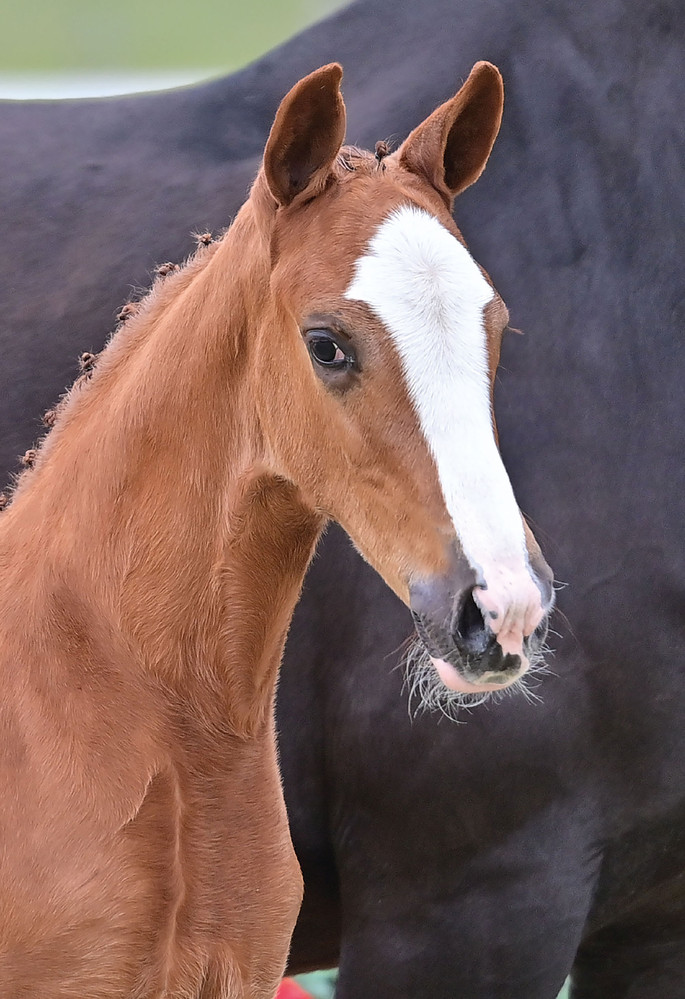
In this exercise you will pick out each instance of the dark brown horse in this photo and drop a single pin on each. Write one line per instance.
(483, 859)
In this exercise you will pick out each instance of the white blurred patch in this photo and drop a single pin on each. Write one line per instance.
(57, 86)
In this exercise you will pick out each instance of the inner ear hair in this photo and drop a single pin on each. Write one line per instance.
(452, 146)
(306, 136)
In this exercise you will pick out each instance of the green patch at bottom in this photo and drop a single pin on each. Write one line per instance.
(321, 985)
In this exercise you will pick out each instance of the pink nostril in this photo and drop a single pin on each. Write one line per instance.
(513, 610)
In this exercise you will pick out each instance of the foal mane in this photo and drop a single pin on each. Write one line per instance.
(168, 280)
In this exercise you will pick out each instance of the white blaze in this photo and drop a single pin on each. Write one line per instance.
(425, 287)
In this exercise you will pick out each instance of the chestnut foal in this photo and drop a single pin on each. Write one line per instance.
(331, 357)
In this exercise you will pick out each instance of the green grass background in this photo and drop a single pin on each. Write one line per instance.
(93, 35)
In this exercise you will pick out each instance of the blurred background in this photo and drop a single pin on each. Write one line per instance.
(78, 48)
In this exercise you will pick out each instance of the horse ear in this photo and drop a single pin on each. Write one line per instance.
(306, 136)
(451, 147)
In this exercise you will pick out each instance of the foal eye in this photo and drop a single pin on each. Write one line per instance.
(326, 351)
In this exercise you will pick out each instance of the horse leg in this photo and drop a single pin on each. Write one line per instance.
(457, 963)
(494, 936)
(639, 958)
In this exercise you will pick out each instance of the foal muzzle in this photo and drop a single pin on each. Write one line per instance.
(468, 632)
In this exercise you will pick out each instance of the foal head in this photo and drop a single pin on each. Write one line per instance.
(377, 355)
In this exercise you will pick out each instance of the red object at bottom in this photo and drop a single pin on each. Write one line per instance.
(289, 989)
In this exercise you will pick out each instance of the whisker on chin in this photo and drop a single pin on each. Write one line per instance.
(427, 692)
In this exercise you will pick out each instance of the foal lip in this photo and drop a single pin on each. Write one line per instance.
(455, 680)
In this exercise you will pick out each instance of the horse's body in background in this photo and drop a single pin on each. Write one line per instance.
(481, 859)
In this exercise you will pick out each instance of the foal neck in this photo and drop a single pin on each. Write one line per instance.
(150, 501)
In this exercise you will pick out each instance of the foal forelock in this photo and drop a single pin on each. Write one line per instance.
(425, 287)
